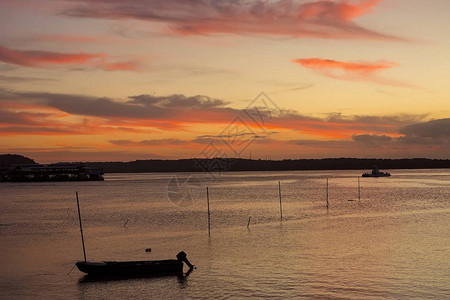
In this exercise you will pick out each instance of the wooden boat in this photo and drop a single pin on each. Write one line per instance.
(138, 268)
(131, 268)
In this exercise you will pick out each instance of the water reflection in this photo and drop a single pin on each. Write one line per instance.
(88, 279)
(182, 278)
(393, 243)
(141, 287)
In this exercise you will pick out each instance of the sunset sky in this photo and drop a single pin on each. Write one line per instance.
(123, 80)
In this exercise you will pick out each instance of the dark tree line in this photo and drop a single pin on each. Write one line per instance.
(237, 164)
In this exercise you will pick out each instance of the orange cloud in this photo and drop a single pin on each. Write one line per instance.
(33, 58)
(352, 67)
(36, 58)
(147, 114)
(151, 143)
(349, 11)
(361, 70)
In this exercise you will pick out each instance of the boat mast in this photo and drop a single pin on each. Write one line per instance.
(81, 227)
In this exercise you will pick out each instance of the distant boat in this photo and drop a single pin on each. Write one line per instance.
(376, 173)
(131, 268)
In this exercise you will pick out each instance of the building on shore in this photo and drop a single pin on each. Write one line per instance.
(51, 172)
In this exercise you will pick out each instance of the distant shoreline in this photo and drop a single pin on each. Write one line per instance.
(237, 164)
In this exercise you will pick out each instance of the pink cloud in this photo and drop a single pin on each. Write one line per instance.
(351, 67)
(319, 19)
(33, 58)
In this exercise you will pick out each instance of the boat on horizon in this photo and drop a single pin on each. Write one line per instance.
(376, 173)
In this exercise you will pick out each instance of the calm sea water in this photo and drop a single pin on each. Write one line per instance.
(392, 243)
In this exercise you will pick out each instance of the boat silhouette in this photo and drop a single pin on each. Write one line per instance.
(131, 268)
(376, 173)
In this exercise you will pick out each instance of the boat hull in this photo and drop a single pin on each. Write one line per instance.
(144, 268)
(376, 175)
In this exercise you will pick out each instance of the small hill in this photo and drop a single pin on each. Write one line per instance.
(11, 159)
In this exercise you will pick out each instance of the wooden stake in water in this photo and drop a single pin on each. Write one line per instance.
(279, 193)
(249, 218)
(81, 227)
(359, 191)
(327, 191)
(209, 215)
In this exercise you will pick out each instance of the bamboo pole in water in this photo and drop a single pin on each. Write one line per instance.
(327, 191)
(279, 193)
(209, 215)
(81, 227)
(359, 190)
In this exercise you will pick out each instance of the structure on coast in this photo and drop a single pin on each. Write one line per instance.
(51, 172)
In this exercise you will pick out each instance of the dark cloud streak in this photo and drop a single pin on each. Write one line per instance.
(319, 19)
(371, 139)
(175, 111)
(431, 132)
